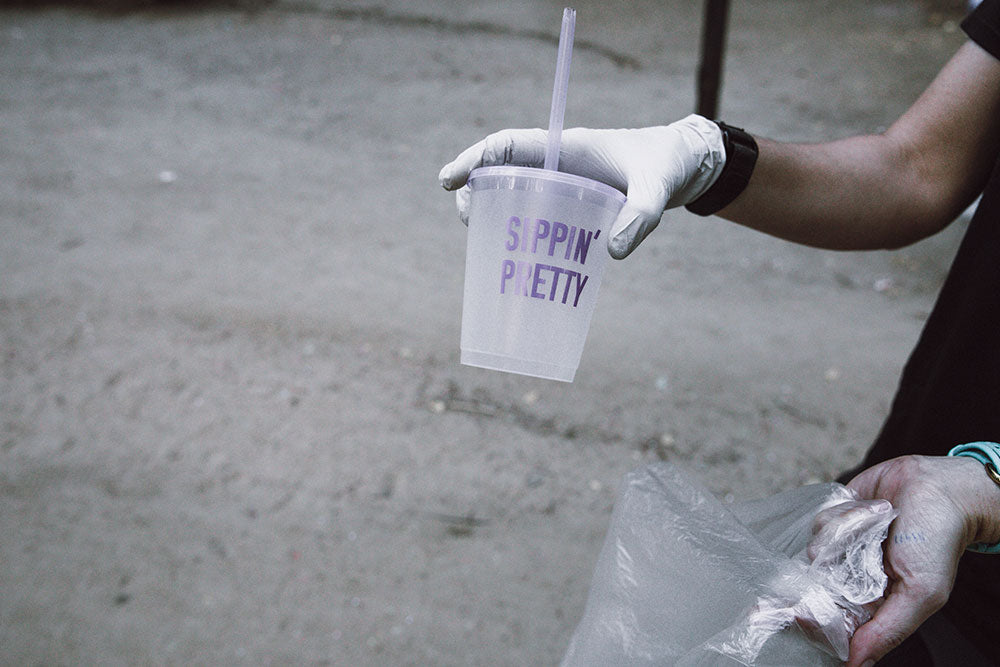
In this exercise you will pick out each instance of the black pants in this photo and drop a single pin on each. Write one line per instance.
(937, 643)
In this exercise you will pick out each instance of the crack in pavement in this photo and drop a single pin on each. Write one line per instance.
(481, 405)
(386, 18)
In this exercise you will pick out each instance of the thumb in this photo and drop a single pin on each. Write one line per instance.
(638, 217)
(898, 618)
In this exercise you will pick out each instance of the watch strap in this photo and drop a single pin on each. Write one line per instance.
(741, 156)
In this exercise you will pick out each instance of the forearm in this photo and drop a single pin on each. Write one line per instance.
(886, 190)
(857, 193)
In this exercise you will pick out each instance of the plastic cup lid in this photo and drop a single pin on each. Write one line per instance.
(549, 175)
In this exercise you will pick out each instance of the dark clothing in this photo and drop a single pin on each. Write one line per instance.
(949, 393)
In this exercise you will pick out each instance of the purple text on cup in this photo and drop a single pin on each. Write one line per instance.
(542, 281)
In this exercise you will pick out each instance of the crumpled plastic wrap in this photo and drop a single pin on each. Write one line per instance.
(683, 579)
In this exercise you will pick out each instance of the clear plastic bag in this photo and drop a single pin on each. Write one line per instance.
(683, 579)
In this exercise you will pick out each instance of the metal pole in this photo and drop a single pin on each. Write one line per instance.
(713, 43)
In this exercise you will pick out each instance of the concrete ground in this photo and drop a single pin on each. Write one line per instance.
(233, 425)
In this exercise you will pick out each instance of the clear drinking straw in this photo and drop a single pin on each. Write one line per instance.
(559, 89)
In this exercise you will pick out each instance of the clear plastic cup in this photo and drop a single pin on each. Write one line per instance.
(536, 251)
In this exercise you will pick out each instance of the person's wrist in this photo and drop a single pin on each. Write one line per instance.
(982, 494)
(976, 491)
(697, 142)
(740, 150)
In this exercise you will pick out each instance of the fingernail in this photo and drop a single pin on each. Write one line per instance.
(883, 506)
(444, 176)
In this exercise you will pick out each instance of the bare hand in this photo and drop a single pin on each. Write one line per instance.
(941, 503)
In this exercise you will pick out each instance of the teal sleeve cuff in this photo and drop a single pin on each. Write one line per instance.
(987, 453)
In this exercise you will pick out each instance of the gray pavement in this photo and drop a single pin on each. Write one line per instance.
(233, 426)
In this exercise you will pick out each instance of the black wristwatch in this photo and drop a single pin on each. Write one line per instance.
(741, 155)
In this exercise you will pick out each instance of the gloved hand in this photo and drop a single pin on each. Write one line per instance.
(656, 167)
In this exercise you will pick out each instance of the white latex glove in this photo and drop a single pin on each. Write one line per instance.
(656, 167)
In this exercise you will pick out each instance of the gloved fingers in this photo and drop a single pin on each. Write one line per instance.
(599, 155)
(524, 148)
(463, 200)
(639, 216)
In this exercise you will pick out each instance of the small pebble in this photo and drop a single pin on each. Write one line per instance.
(883, 285)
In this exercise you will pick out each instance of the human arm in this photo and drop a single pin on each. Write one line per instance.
(886, 190)
(944, 505)
(865, 192)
